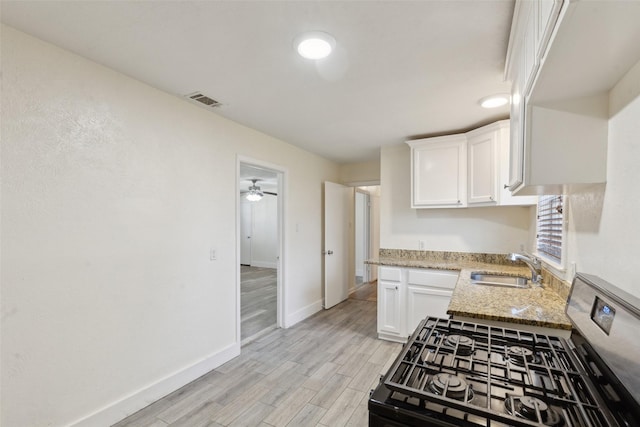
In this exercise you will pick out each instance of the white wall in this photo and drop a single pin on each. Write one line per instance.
(604, 222)
(361, 173)
(264, 234)
(112, 197)
(484, 230)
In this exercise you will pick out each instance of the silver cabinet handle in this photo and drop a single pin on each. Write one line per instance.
(330, 252)
(505, 186)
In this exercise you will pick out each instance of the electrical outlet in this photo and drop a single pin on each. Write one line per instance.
(421, 245)
(213, 255)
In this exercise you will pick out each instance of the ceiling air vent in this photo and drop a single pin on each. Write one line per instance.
(203, 99)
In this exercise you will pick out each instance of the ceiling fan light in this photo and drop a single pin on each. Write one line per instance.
(314, 45)
(253, 196)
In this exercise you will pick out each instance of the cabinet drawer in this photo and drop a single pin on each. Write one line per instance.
(390, 273)
(433, 278)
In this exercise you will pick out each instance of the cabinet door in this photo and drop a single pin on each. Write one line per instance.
(423, 301)
(530, 60)
(389, 305)
(506, 198)
(548, 11)
(439, 172)
(482, 168)
(516, 145)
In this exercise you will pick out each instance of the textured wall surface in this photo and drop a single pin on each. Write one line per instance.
(113, 193)
(604, 230)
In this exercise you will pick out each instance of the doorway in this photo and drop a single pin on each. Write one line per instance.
(259, 218)
(367, 241)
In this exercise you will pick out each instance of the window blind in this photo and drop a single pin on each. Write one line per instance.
(550, 227)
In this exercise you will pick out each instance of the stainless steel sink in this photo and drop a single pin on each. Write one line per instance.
(493, 279)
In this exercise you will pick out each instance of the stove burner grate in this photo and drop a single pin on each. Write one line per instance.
(519, 355)
(451, 386)
(532, 408)
(462, 342)
(484, 388)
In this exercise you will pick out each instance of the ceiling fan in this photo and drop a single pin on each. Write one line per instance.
(254, 192)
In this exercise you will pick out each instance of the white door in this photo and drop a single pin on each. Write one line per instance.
(337, 203)
(245, 232)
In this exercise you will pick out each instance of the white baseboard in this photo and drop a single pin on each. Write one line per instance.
(139, 399)
(303, 313)
(264, 264)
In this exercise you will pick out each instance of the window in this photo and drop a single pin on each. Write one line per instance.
(550, 228)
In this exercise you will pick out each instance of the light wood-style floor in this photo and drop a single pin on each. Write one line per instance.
(317, 373)
(366, 292)
(258, 300)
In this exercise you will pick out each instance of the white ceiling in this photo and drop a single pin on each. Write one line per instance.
(401, 69)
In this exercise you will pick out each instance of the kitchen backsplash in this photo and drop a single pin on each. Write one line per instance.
(445, 256)
(561, 287)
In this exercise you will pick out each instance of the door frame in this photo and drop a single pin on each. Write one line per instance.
(282, 174)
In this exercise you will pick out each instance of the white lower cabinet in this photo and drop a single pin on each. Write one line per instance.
(389, 308)
(423, 301)
(390, 302)
(406, 296)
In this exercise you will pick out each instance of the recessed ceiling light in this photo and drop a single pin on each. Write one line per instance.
(314, 45)
(494, 101)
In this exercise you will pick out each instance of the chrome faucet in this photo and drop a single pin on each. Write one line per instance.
(533, 263)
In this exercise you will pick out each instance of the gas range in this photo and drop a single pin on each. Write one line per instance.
(453, 373)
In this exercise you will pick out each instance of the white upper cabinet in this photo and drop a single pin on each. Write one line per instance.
(489, 155)
(560, 111)
(533, 23)
(516, 138)
(464, 170)
(482, 166)
(505, 197)
(546, 15)
(439, 172)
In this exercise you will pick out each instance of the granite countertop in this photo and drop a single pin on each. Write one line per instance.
(533, 306)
